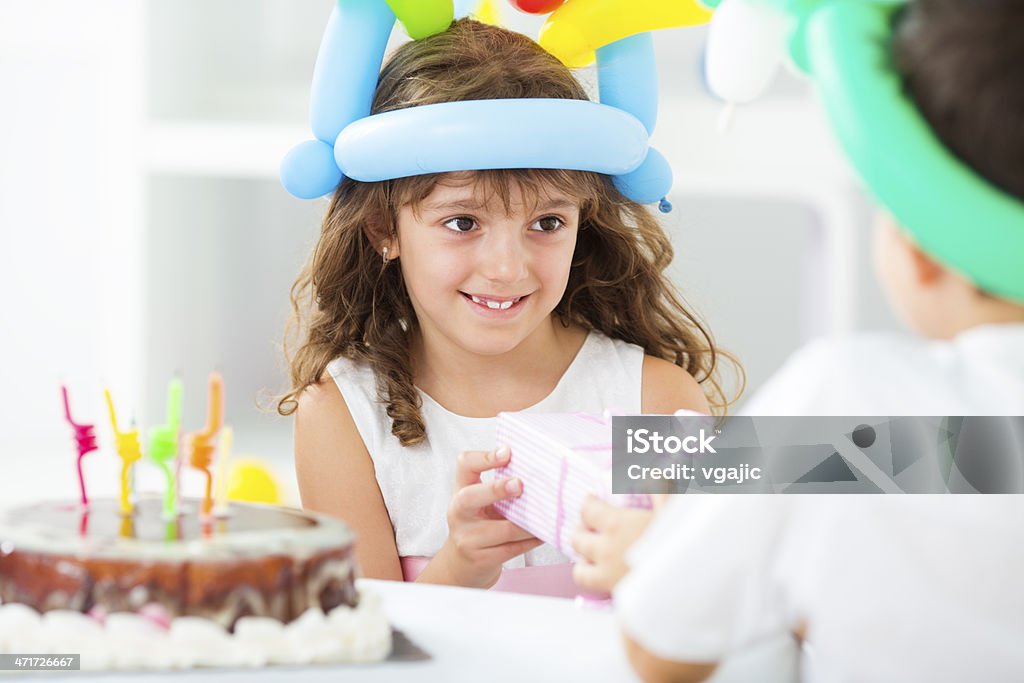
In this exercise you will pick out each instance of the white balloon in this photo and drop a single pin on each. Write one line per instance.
(746, 44)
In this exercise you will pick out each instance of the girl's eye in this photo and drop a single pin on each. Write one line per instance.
(460, 224)
(548, 224)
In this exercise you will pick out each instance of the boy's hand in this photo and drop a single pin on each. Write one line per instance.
(602, 540)
(479, 539)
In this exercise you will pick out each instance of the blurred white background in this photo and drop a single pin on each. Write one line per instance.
(143, 231)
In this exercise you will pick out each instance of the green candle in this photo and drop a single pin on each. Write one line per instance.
(163, 446)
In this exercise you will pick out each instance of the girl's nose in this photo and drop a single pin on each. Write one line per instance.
(504, 257)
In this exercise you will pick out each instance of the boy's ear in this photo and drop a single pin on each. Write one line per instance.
(927, 270)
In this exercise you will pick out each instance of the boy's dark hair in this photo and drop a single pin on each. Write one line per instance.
(962, 62)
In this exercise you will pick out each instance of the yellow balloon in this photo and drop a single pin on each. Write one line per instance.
(253, 481)
(579, 27)
(487, 13)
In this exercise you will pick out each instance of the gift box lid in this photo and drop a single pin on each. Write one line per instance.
(564, 434)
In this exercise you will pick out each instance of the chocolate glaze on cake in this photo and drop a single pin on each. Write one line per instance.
(255, 561)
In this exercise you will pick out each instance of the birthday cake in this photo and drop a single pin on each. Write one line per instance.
(276, 576)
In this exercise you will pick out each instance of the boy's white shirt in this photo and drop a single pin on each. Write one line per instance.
(980, 372)
(891, 587)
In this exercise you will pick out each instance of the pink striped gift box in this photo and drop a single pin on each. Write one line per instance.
(561, 458)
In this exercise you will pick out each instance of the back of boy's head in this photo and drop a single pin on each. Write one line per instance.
(962, 63)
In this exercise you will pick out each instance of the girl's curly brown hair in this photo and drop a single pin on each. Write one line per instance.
(346, 302)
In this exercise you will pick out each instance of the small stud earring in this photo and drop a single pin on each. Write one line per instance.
(385, 253)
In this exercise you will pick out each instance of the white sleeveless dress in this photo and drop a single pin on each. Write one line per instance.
(417, 481)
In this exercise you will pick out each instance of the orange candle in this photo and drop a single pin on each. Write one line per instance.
(202, 442)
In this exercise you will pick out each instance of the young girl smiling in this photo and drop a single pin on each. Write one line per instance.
(433, 302)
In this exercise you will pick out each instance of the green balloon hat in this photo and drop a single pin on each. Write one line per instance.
(952, 213)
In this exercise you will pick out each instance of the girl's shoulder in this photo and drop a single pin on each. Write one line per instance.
(342, 366)
(355, 379)
(664, 386)
(340, 392)
(356, 384)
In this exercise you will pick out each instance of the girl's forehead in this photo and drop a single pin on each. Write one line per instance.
(474, 191)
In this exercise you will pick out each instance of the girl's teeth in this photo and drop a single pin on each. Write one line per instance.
(504, 305)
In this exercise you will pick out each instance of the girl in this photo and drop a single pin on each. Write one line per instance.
(433, 302)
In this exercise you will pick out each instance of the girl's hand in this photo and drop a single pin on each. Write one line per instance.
(479, 539)
(602, 540)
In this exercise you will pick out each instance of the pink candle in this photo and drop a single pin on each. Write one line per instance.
(85, 440)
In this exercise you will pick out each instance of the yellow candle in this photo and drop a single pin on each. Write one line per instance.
(224, 454)
(127, 527)
(128, 448)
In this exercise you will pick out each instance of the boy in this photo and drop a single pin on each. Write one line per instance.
(884, 588)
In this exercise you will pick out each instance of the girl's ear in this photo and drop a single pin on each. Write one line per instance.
(377, 232)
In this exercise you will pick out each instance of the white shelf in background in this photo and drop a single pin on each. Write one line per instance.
(769, 145)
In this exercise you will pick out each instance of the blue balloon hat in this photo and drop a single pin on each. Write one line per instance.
(610, 137)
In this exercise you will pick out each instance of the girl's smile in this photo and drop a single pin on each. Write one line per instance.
(496, 306)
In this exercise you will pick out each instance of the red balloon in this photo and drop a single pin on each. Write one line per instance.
(537, 6)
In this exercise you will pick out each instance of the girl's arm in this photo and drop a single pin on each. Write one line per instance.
(666, 387)
(336, 477)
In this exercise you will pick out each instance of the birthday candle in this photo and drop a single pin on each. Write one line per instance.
(127, 527)
(201, 443)
(85, 440)
(227, 437)
(163, 445)
(129, 450)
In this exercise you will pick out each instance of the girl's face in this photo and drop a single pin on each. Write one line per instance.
(479, 277)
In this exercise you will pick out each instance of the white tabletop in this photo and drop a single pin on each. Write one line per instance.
(475, 635)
